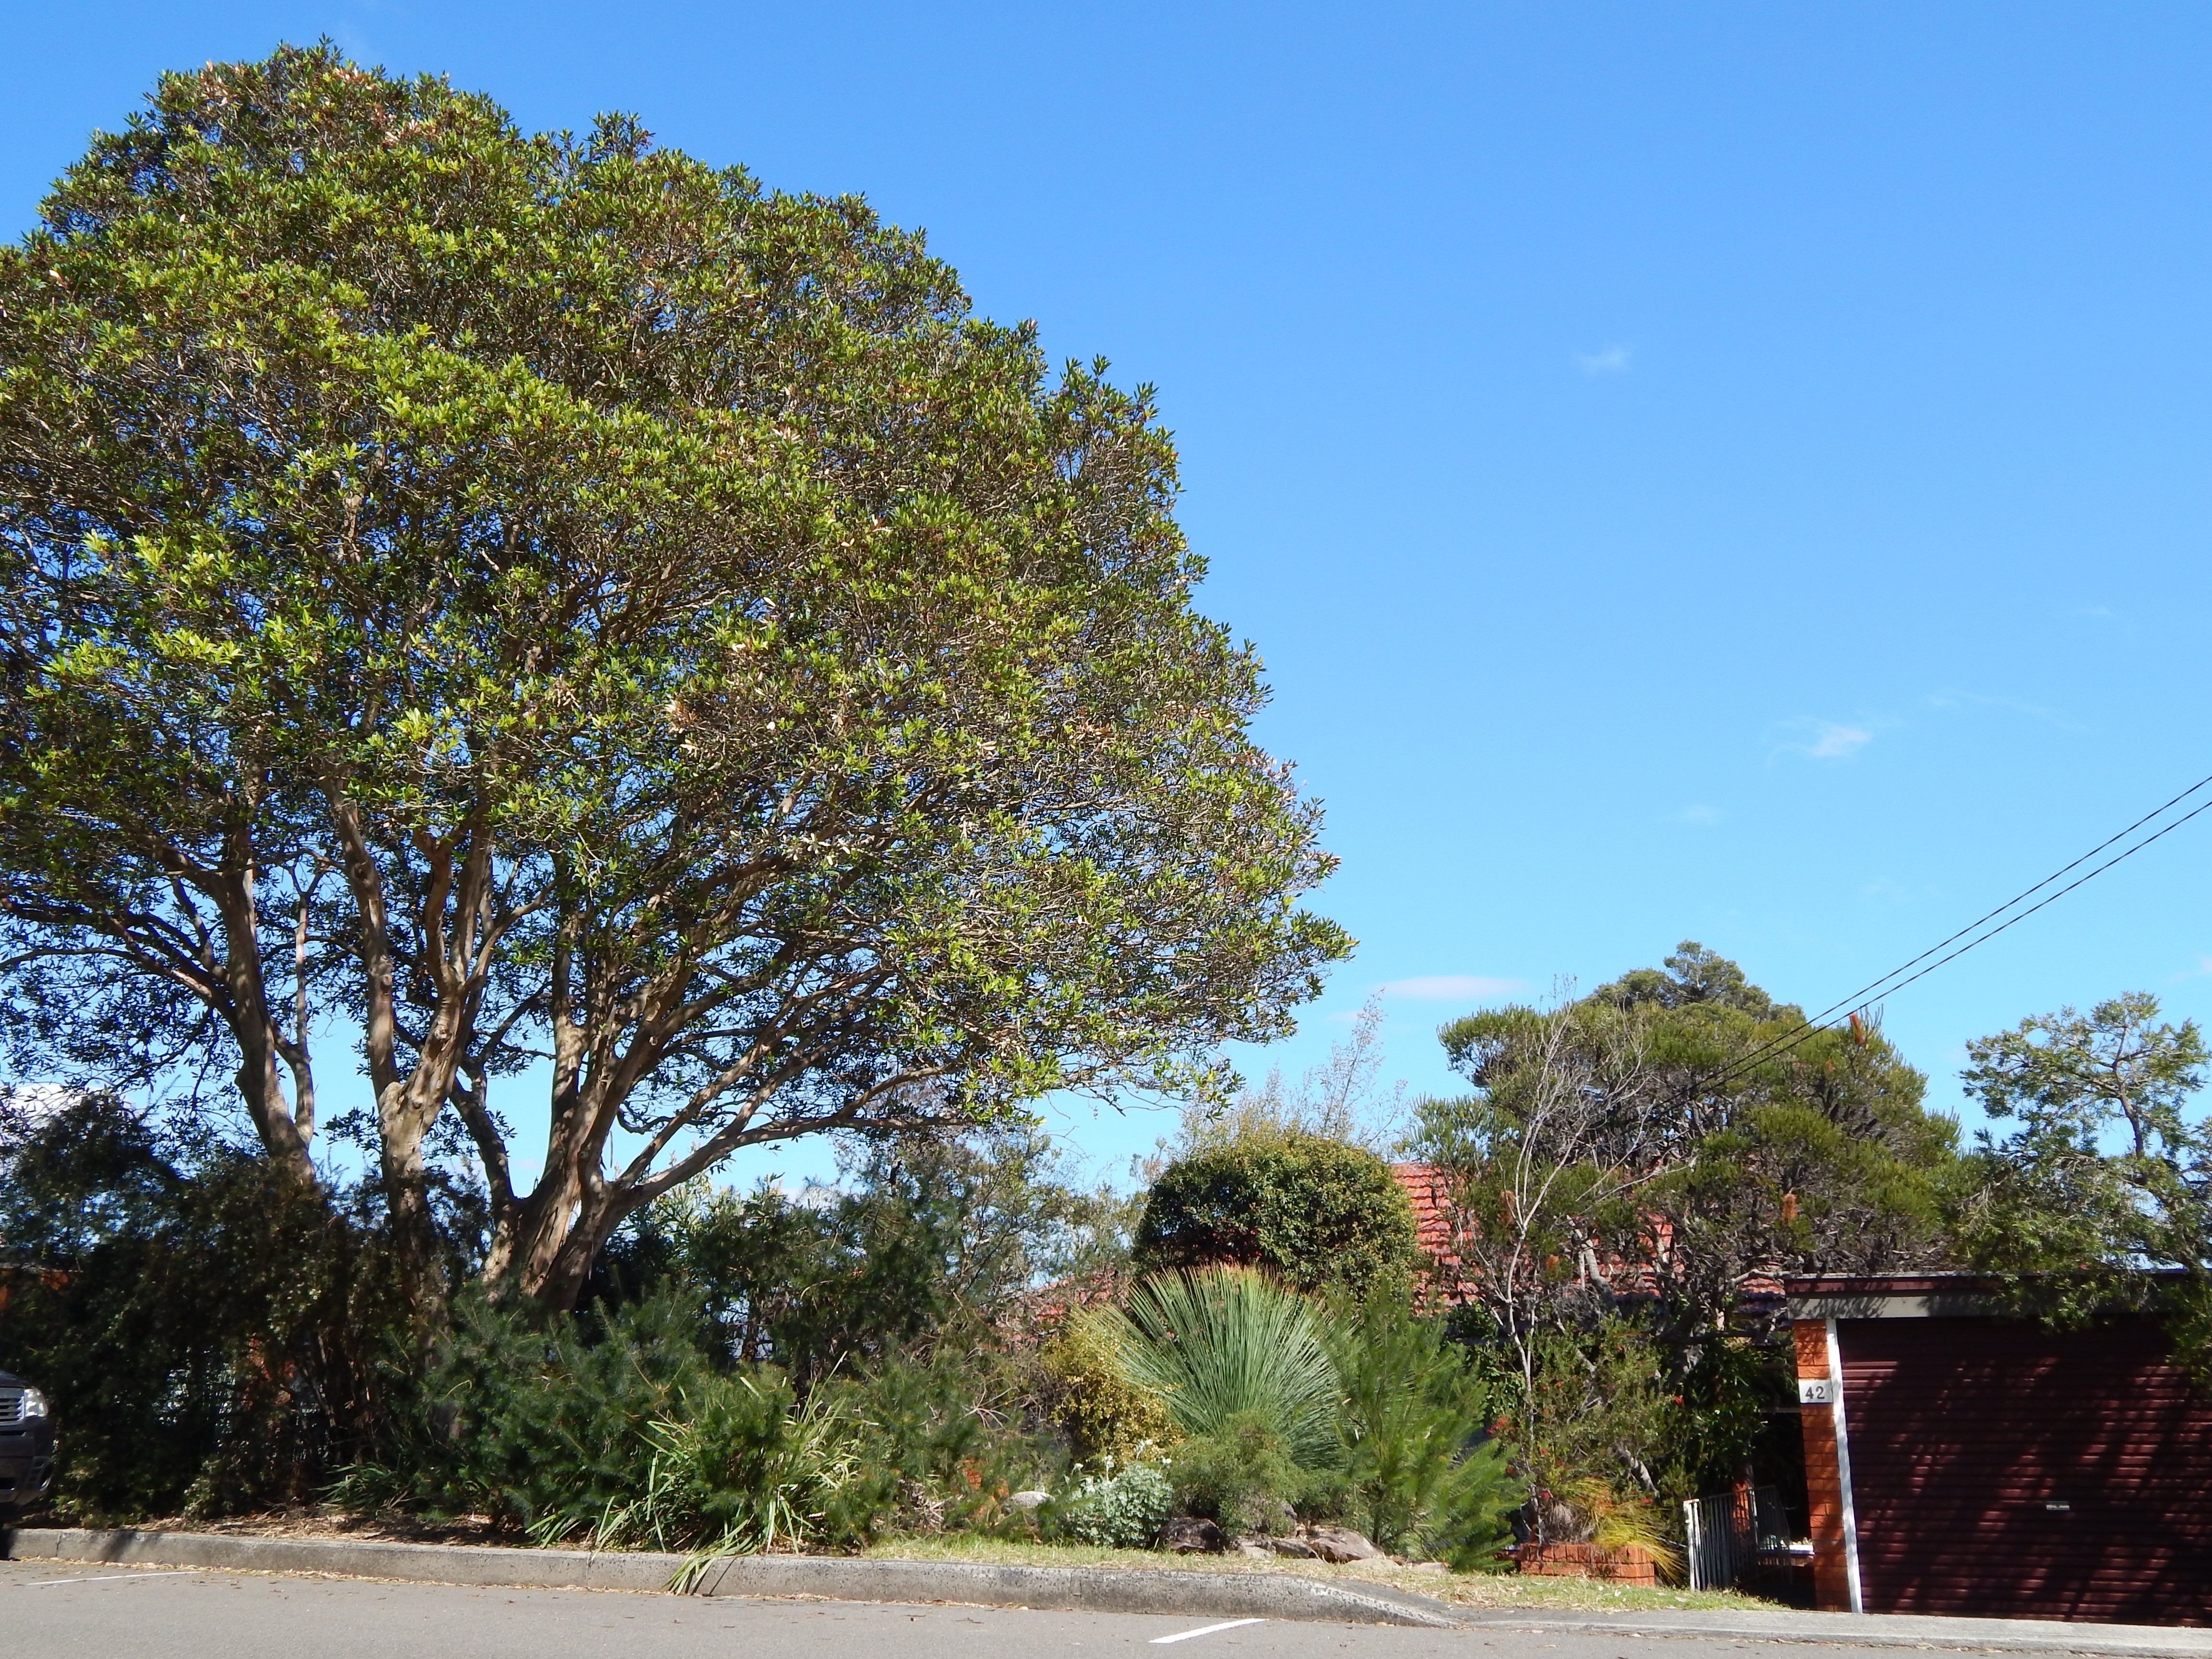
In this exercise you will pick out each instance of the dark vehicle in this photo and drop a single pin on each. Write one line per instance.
(26, 1444)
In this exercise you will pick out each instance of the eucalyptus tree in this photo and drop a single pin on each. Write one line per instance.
(524, 600)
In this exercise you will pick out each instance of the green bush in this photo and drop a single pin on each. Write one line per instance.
(624, 1430)
(1420, 1474)
(1318, 1212)
(929, 1245)
(538, 1421)
(746, 1468)
(951, 1436)
(1220, 1343)
(214, 1336)
(1244, 1475)
(1102, 1412)
(1241, 1364)
(1121, 1508)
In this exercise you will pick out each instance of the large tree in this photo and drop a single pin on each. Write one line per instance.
(1654, 1150)
(515, 599)
(1674, 1137)
(2106, 1172)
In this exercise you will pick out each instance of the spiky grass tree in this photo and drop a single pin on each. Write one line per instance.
(1222, 1342)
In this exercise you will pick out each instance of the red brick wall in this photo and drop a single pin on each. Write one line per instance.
(1626, 1565)
(1824, 1489)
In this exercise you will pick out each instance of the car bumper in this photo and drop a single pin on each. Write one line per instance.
(27, 1467)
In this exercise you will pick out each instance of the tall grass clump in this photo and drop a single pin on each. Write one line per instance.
(1242, 1365)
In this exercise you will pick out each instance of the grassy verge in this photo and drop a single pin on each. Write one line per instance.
(1472, 1589)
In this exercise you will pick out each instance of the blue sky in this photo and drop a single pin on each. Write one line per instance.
(1721, 471)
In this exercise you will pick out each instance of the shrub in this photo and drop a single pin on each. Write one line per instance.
(1219, 1343)
(1104, 1415)
(1318, 1212)
(1243, 1474)
(1419, 1471)
(931, 1244)
(538, 1421)
(747, 1469)
(622, 1429)
(215, 1335)
(1121, 1508)
(1239, 1362)
(951, 1442)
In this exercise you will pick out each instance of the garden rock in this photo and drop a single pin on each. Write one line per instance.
(1296, 1548)
(1186, 1536)
(1255, 1547)
(1028, 1500)
(1341, 1544)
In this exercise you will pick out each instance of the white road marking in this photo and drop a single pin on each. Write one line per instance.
(1207, 1630)
(102, 1577)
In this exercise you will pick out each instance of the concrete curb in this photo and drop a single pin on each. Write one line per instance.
(1072, 1590)
(1878, 1629)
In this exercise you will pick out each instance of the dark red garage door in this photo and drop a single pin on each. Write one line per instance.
(2000, 1467)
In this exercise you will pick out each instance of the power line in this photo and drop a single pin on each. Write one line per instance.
(1775, 1047)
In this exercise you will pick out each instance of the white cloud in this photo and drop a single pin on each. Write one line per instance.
(1824, 739)
(1834, 742)
(1700, 813)
(1449, 987)
(1613, 360)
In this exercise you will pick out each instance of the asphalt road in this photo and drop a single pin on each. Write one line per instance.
(70, 1612)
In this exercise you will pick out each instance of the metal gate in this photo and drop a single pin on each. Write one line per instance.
(1732, 1534)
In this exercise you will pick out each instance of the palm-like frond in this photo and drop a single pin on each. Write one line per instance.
(1216, 1342)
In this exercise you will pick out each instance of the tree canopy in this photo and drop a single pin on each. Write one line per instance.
(2106, 1172)
(1650, 1153)
(1318, 1212)
(1661, 1124)
(513, 599)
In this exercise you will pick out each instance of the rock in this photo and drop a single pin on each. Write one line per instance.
(1426, 1566)
(1028, 1500)
(1341, 1544)
(1186, 1536)
(1255, 1547)
(1296, 1548)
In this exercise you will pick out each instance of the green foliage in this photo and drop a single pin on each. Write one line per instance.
(2107, 1174)
(1120, 1507)
(926, 1244)
(542, 1423)
(214, 1337)
(746, 1468)
(956, 1434)
(1421, 1474)
(1241, 1366)
(624, 1430)
(1243, 1474)
(501, 594)
(1321, 1213)
(213, 1334)
(1650, 1150)
(1592, 1424)
(1218, 1343)
(1103, 1413)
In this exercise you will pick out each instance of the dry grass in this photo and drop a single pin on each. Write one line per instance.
(1470, 1589)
